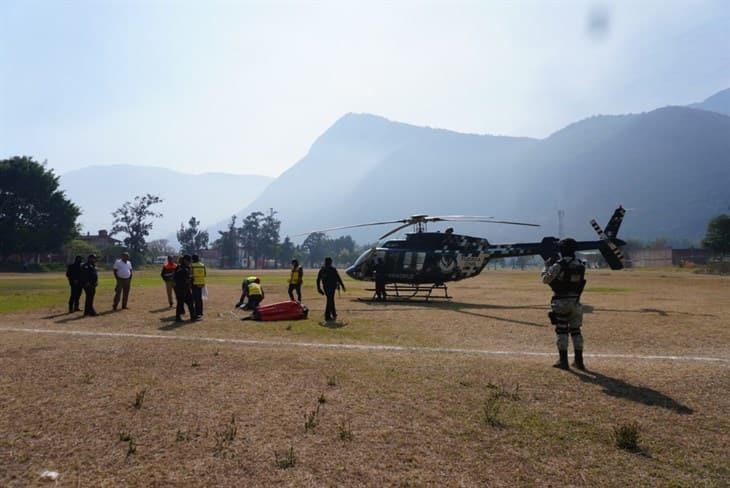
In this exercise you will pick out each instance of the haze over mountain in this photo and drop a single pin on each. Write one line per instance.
(670, 166)
(719, 102)
(99, 190)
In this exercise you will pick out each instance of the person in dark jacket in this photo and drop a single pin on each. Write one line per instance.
(89, 280)
(380, 279)
(183, 289)
(329, 278)
(73, 273)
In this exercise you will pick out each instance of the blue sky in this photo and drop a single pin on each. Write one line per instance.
(246, 87)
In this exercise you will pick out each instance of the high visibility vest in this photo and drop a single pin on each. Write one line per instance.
(250, 279)
(198, 274)
(254, 290)
(294, 278)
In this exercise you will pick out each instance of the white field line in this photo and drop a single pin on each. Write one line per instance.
(353, 347)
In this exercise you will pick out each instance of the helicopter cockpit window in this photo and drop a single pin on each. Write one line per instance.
(413, 261)
(407, 260)
(420, 259)
(364, 257)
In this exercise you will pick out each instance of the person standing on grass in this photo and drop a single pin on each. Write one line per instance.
(168, 276)
(296, 278)
(123, 274)
(73, 273)
(566, 276)
(183, 290)
(89, 280)
(198, 281)
(330, 279)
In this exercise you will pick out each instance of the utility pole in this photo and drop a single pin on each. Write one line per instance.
(561, 217)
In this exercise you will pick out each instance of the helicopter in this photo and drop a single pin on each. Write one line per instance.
(425, 261)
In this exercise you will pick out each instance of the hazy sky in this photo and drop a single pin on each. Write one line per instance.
(246, 87)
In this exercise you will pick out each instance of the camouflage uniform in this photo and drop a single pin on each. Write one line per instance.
(566, 277)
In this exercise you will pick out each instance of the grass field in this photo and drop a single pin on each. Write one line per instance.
(131, 398)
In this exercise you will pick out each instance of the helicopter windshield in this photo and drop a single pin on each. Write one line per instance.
(364, 257)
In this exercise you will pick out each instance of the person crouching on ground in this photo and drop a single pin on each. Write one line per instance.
(123, 275)
(168, 276)
(295, 280)
(255, 295)
(183, 290)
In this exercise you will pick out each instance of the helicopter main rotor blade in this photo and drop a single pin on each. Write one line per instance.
(395, 230)
(486, 220)
(352, 227)
(454, 217)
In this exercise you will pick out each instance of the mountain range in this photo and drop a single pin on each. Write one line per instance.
(670, 167)
(99, 190)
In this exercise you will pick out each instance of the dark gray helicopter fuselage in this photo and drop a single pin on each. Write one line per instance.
(440, 257)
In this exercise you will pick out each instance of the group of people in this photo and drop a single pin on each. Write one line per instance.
(185, 279)
(83, 277)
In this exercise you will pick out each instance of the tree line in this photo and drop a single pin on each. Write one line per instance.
(256, 242)
(36, 217)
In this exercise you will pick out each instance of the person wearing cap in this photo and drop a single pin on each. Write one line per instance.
(295, 280)
(123, 275)
(73, 274)
(89, 280)
(565, 274)
(198, 283)
(168, 276)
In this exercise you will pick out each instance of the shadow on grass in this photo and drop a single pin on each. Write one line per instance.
(640, 394)
(658, 311)
(61, 314)
(171, 324)
(465, 308)
(81, 316)
(333, 324)
(163, 309)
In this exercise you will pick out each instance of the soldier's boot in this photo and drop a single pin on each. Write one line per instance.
(579, 361)
(563, 361)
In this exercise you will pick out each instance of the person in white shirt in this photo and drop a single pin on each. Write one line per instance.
(123, 275)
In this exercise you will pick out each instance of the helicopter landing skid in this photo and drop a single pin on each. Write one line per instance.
(413, 292)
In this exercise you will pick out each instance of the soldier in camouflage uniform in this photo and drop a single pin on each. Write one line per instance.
(566, 277)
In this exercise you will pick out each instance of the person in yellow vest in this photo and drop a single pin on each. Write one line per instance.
(255, 295)
(244, 290)
(199, 274)
(295, 280)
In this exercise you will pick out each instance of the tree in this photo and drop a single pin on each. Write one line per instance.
(250, 236)
(717, 238)
(315, 245)
(269, 235)
(35, 216)
(228, 245)
(286, 251)
(77, 247)
(192, 240)
(160, 247)
(134, 219)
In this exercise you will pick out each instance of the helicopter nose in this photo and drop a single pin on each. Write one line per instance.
(353, 271)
